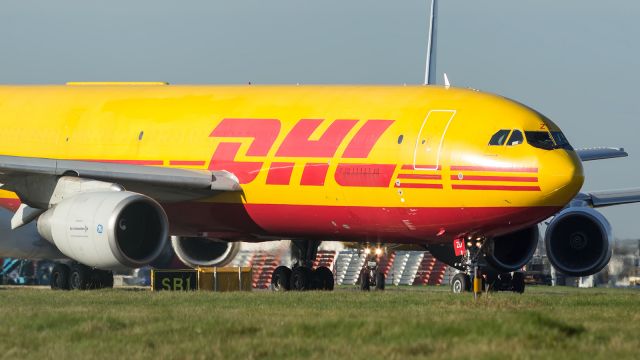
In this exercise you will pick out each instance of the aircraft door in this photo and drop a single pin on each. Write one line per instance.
(430, 139)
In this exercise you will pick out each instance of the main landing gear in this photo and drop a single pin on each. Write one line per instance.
(477, 276)
(79, 277)
(302, 277)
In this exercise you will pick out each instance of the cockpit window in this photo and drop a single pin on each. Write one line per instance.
(499, 138)
(561, 140)
(540, 139)
(515, 138)
(547, 141)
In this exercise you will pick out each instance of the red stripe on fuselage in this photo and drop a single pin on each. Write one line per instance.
(420, 167)
(495, 187)
(129, 162)
(419, 186)
(494, 169)
(186, 162)
(420, 176)
(496, 178)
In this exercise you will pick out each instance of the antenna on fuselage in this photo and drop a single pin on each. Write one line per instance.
(430, 65)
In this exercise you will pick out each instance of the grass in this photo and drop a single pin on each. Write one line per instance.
(401, 323)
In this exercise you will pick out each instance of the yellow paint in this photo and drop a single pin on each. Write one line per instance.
(104, 121)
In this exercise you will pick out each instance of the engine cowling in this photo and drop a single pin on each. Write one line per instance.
(107, 229)
(511, 252)
(204, 252)
(578, 241)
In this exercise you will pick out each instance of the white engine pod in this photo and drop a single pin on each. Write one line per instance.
(204, 252)
(578, 241)
(107, 229)
(24, 242)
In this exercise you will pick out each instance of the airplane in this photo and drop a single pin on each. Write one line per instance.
(105, 176)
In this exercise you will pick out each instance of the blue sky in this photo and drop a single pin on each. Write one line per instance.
(575, 61)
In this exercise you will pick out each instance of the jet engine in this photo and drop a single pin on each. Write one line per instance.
(107, 229)
(578, 241)
(199, 251)
(511, 252)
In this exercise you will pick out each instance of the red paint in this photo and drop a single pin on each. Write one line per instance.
(419, 186)
(496, 178)
(280, 173)
(223, 159)
(420, 176)
(10, 204)
(458, 247)
(495, 187)
(314, 174)
(493, 168)
(420, 167)
(128, 162)
(263, 131)
(297, 143)
(362, 143)
(364, 175)
(187, 162)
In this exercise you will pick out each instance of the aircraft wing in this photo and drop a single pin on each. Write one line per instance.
(24, 174)
(610, 197)
(600, 153)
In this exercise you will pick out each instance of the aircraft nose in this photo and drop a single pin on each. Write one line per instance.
(562, 176)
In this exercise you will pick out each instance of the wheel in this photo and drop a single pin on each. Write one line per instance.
(301, 278)
(101, 279)
(460, 283)
(322, 279)
(518, 282)
(281, 279)
(380, 278)
(59, 279)
(505, 282)
(365, 282)
(79, 277)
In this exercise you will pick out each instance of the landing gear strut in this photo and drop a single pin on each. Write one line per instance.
(302, 276)
(371, 274)
(477, 276)
(79, 277)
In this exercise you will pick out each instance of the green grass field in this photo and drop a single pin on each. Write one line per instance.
(401, 323)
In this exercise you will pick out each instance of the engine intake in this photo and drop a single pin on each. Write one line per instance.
(578, 241)
(204, 252)
(511, 252)
(107, 229)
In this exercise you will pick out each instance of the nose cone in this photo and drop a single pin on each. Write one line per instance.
(561, 175)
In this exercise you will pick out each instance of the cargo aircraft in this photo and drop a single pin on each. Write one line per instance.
(106, 176)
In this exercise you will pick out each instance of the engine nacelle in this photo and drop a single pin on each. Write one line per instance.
(204, 252)
(107, 229)
(578, 241)
(511, 252)
(24, 242)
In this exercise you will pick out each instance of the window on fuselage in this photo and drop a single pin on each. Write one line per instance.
(561, 140)
(540, 139)
(499, 138)
(515, 138)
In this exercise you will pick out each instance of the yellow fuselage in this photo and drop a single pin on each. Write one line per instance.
(371, 163)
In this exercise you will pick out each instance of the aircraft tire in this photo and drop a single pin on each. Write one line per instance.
(301, 278)
(380, 279)
(322, 279)
(281, 279)
(460, 283)
(59, 279)
(103, 279)
(518, 282)
(79, 277)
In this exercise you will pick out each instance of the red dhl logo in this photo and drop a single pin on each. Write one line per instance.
(297, 144)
